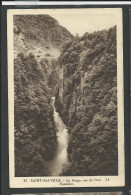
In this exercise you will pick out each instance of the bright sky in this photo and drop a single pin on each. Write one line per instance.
(82, 23)
(81, 20)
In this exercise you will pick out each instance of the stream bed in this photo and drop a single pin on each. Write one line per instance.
(61, 157)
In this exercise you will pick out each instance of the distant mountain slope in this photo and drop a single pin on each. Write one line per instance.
(40, 34)
(87, 102)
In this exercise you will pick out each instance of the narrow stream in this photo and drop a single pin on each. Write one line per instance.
(56, 164)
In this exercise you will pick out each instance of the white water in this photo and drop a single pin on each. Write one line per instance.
(56, 164)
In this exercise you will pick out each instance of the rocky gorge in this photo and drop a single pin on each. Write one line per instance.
(65, 100)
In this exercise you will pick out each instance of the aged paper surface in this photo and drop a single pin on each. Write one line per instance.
(45, 147)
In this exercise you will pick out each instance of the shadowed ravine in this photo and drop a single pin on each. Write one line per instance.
(55, 165)
(81, 72)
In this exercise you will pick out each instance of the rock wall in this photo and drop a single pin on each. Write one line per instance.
(89, 103)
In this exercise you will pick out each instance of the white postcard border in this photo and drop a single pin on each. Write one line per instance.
(62, 181)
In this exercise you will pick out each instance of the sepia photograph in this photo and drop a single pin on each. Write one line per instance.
(65, 86)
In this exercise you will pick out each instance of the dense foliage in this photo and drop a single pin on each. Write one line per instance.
(85, 84)
(87, 102)
(37, 43)
(35, 130)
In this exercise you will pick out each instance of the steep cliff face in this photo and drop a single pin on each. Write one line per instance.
(87, 102)
(37, 43)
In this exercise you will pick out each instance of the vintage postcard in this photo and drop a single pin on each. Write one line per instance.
(65, 87)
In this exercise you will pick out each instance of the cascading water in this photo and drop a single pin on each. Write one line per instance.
(61, 157)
